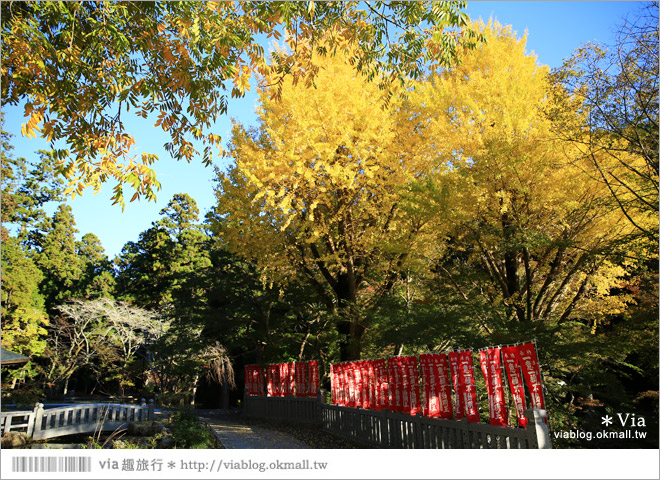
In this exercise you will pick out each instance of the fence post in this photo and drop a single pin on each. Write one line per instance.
(387, 428)
(398, 433)
(151, 409)
(321, 396)
(465, 433)
(537, 427)
(36, 424)
(419, 437)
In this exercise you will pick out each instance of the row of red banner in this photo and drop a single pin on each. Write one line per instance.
(395, 383)
(254, 379)
(300, 379)
(361, 384)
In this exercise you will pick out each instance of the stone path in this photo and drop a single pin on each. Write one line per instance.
(234, 434)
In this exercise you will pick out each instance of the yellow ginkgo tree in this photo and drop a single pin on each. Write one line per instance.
(533, 237)
(319, 190)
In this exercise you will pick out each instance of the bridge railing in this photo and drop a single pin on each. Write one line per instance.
(17, 421)
(75, 419)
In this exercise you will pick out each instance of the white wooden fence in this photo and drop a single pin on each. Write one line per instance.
(43, 423)
(387, 429)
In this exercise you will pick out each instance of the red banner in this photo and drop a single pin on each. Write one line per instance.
(428, 386)
(372, 385)
(396, 385)
(454, 363)
(361, 368)
(269, 380)
(510, 356)
(262, 380)
(532, 373)
(413, 381)
(284, 377)
(251, 385)
(366, 384)
(492, 369)
(399, 384)
(391, 401)
(350, 384)
(437, 389)
(350, 370)
(380, 374)
(274, 379)
(312, 378)
(469, 388)
(292, 378)
(359, 384)
(405, 382)
(259, 380)
(335, 382)
(300, 380)
(333, 385)
(337, 385)
(346, 394)
(441, 370)
(357, 373)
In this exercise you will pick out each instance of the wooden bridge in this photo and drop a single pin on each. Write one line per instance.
(40, 423)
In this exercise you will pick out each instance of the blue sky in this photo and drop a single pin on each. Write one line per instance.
(555, 30)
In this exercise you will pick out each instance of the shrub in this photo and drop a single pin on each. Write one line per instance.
(188, 432)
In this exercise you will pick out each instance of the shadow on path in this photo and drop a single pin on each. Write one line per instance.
(233, 433)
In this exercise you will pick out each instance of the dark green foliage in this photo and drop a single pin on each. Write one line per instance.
(158, 269)
(58, 259)
(27, 187)
(188, 432)
(97, 279)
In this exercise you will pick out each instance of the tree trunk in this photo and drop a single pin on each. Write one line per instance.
(225, 391)
(350, 345)
(346, 292)
(194, 390)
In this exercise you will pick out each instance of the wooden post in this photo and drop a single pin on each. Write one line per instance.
(30, 422)
(150, 414)
(465, 434)
(537, 427)
(419, 437)
(321, 397)
(36, 425)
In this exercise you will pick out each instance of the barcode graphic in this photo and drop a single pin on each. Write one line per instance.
(51, 464)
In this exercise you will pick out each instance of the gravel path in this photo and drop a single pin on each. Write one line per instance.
(234, 430)
(236, 435)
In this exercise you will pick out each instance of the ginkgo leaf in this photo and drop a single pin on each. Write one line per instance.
(161, 56)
